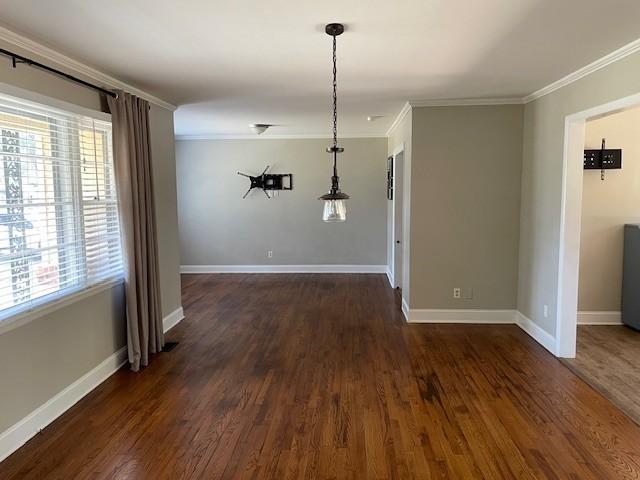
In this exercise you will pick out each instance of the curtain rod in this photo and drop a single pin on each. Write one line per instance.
(32, 63)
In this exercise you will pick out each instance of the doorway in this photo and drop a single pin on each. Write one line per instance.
(608, 350)
(570, 223)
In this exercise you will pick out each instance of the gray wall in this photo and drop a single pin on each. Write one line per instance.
(606, 207)
(41, 358)
(218, 227)
(465, 178)
(542, 180)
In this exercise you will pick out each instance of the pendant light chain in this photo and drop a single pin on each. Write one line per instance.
(335, 118)
(335, 95)
(335, 210)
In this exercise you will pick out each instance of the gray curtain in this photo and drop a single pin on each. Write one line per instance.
(134, 183)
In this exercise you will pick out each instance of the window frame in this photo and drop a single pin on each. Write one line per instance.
(74, 293)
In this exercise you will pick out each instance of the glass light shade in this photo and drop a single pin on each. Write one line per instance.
(334, 211)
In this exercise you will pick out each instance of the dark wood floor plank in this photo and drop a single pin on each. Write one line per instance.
(304, 376)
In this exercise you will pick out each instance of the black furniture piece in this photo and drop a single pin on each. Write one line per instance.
(631, 277)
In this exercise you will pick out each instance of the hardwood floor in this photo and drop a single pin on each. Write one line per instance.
(318, 376)
(608, 357)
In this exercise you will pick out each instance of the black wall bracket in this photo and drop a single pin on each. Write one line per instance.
(612, 159)
(269, 182)
(603, 159)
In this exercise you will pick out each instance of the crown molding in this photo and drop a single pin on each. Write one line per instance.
(450, 102)
(78, 67)
(406, 108)
(625, 51)
(464, 102)
(608, 59)
(250, 136)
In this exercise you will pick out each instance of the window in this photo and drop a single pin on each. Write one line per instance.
(59, 230)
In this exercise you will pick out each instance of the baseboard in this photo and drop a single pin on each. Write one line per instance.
(17, 435)
(599, 318)
(536, 332)
(172, 319)
(405, 309)
(472, 316)
(283, 269)
(459, 316)
(390, 278)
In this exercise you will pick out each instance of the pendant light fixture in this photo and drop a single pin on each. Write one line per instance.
(335, 209)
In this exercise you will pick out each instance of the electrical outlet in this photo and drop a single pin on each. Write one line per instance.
(457, 293)
(269, 253)
(545, 311)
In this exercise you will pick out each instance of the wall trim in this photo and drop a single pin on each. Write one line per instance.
(536, 332)
(598, 64)
(406, 108)
(570, 216)
(476, 316)
(251, 136)
(77, 66)
(619, 54)
(18, 434)
(463, 102)
(283, 269)
(172, 319)
(405, 309)
(46, 308)
(109, 81)
(390, 277)
(460, 316)
(29, 97)
(450, 102)
(599, 318)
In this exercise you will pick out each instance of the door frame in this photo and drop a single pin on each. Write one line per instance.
(570, 218)
(395, 281)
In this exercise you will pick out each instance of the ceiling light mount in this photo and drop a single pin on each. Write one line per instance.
(259, 128)
(334, 29)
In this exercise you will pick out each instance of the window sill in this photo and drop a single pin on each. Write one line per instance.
(27, 316)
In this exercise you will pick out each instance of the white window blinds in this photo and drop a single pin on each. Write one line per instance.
(59, 230)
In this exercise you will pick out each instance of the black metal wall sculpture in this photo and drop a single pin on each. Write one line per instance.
(269, 182)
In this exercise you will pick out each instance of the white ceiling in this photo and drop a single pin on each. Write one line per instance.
(230, 63)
